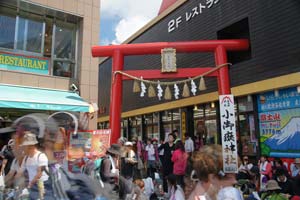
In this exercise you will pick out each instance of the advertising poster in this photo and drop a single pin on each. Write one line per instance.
(228, 130)
(100, 142)
(279, 123)
(86, 144)
(77, 148)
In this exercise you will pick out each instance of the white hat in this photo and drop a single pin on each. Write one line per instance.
(29, 139)
(128, 143)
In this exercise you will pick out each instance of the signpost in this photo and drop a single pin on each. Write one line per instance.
(228, 130)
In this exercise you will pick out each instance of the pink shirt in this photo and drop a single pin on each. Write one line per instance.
(179, 159)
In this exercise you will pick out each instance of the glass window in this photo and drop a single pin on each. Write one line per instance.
(65, 41)
(7, 31)
(64, 50)
(63, 68)
(155, 125)
(30, 35)
(176, 116)
(245, 104)
(167, 122)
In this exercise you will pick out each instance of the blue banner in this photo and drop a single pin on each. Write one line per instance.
(286, 99)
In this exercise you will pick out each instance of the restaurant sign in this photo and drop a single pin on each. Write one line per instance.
(24, 63)
(191, 14)
(228, 130)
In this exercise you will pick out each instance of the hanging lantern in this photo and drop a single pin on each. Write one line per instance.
(202, 85)
(136, 86)
(151, 91)
(186, 91)
(168, 95)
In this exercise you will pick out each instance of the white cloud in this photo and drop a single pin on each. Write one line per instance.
(133, 14)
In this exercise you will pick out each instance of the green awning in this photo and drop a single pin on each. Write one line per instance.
(41, 99)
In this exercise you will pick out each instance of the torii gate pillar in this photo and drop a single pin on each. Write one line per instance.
(117, 52)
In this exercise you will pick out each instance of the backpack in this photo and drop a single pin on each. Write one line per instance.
(93, 169)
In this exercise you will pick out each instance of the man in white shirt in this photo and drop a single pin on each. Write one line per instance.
(189, 145)
(36, 164)
(150, 158)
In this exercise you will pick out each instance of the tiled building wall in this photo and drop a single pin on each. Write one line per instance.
(89, 29)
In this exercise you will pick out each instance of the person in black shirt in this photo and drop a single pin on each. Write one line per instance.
(284, 182)
(167, 163)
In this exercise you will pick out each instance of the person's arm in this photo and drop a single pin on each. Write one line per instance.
(9, 177)
(4, 162)
(161, 147)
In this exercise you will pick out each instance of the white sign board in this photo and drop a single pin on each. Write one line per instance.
(229, 145)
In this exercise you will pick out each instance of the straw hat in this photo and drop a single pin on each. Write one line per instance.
(29, 139)
(272, 185)
(297, 161)
(115, 149)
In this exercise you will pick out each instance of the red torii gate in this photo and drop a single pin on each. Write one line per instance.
(117, 52)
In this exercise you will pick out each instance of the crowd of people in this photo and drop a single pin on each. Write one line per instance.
(172, 169)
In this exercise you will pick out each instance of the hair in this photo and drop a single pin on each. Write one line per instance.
(279, 161)
(208, 160)
(173, 135)
(280, 172)
(172, 180)
(179, 145)
(140, 183)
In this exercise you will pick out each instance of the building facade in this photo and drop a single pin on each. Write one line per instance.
(264, 79)
(46, 44)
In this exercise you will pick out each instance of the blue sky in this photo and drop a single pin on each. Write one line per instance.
(119, 19)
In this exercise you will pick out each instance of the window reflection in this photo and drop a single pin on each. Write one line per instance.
(7, 31)
(63, 68)
(205, 122)
(64, 46)
(29, 36)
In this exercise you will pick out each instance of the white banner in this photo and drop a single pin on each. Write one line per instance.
(229, 145)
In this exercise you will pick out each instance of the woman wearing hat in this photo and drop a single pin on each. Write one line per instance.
(109, 170)
(273, 192)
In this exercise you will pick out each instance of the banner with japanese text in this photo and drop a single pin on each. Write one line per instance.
(86, 144)
(279, 123)
(228, 130)
(100, 142)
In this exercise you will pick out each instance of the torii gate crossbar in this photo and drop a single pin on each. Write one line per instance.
(117, 52)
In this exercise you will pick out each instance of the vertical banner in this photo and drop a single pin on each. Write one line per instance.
(100, 142)
(228, 129)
